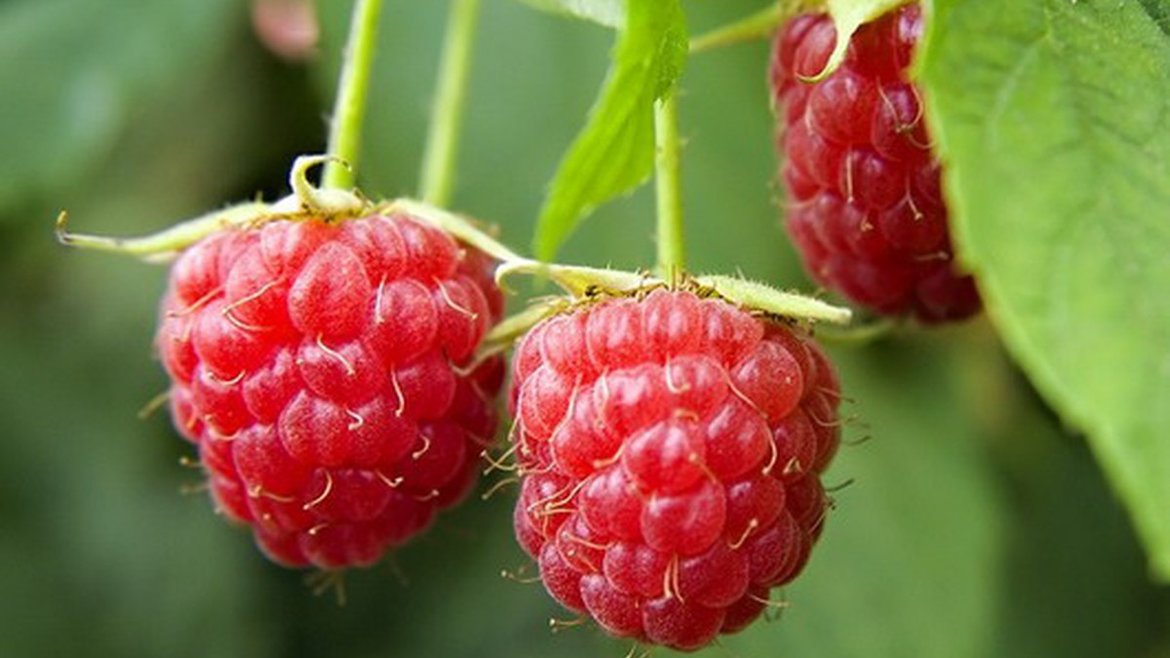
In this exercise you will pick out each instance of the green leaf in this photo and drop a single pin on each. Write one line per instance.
(1053, 119)
(610, 13)
(84, 69)
(614, 153)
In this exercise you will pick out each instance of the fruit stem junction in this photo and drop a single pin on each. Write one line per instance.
(438, 167)
(345, 133)
(306, 201)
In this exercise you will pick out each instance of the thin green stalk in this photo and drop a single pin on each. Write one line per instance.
(345, 133)
(760, 25)
(438, 168)
(668, 188)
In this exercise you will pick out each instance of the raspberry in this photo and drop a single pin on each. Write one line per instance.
(865, 210)
(670, 450)
(323, 372)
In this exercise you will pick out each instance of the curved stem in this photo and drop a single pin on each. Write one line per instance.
(760, 25)
(862, 334)
(668, 188)
(438, 168)
(345, 133)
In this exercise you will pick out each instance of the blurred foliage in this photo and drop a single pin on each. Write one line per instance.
(975, 524)
(614, 153)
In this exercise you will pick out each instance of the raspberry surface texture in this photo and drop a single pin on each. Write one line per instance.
(864, 206)
(323, 373)
(670, 449)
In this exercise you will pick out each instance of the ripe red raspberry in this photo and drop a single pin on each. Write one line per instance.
(671, 450)
(864, 206)
(320, 369)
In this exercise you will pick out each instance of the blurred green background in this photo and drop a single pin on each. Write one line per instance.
(973, 524)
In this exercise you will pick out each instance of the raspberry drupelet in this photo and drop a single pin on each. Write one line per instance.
(864, 206)
(670, 448)
(325, 373)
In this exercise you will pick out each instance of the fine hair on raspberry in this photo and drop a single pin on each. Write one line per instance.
(864, 202)
(670, 448)
(325, 372)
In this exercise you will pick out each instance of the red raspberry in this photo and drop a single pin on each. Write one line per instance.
(320, 370)
(671, 450)
(862, 181)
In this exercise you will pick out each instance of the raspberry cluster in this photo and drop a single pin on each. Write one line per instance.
(323, 372)
(671, 449)
(865, 209)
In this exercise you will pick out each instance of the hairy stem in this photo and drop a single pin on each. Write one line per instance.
(668, 187)
(438, 168)
(345, 133)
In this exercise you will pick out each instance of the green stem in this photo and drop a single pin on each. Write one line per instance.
(668, 188)
(760, 25)
(438, 169)
(861, 334)
(345, 133)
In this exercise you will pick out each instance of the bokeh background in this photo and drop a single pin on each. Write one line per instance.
(970, 522)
